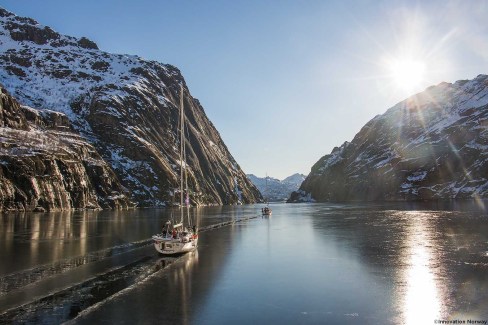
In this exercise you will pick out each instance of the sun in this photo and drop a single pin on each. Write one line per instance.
(406, 73)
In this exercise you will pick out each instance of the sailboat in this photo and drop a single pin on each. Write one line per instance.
(178, 237)
(266, 210)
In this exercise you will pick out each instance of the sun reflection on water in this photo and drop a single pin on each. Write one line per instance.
(421, 302)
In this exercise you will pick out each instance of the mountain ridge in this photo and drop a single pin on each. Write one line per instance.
(126, 107)
(433, 145)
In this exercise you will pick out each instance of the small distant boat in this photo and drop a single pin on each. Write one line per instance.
(179, 238)
(266, 211)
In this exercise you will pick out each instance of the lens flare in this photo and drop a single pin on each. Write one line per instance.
(406, 73)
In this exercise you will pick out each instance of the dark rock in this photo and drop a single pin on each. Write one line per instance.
(61, 73)
(5, 13)
(87, 44)
(100, 66)
(10, 112)
(47, 119)
(16, 71)
(32, 33)
(20, 60)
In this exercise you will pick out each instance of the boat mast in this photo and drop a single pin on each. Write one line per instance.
(184, 194)
(266, 190)
(187, 197)
(182, 149)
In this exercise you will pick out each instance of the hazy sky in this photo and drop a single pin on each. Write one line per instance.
(286, 81)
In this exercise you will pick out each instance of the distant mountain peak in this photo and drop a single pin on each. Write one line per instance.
(296, 178)
(273, 189)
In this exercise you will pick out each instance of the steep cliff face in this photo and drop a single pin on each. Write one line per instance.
(45, 166)
(434, 145)
(126, 107)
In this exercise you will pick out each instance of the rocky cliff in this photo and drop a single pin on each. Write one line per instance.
(433, 145)
(45, 166)
(126, 107)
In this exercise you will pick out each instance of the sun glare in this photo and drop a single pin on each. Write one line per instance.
(407, 74)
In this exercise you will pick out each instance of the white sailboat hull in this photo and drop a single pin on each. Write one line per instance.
(175, 246)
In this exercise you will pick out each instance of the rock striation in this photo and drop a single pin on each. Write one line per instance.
(433, 145)
(126, 107)
(46, 166)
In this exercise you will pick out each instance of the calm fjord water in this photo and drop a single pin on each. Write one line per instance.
(306, 264)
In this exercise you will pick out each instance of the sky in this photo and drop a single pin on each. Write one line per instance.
(286, 81)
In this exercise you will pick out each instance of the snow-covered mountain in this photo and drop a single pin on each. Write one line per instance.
(433, 145)
(126, 107)
(276, 190)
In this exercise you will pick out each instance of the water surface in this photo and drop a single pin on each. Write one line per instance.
(306, 264)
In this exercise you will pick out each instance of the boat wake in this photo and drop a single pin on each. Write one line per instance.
(20, 279)
(69, 302)
(61, 291)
